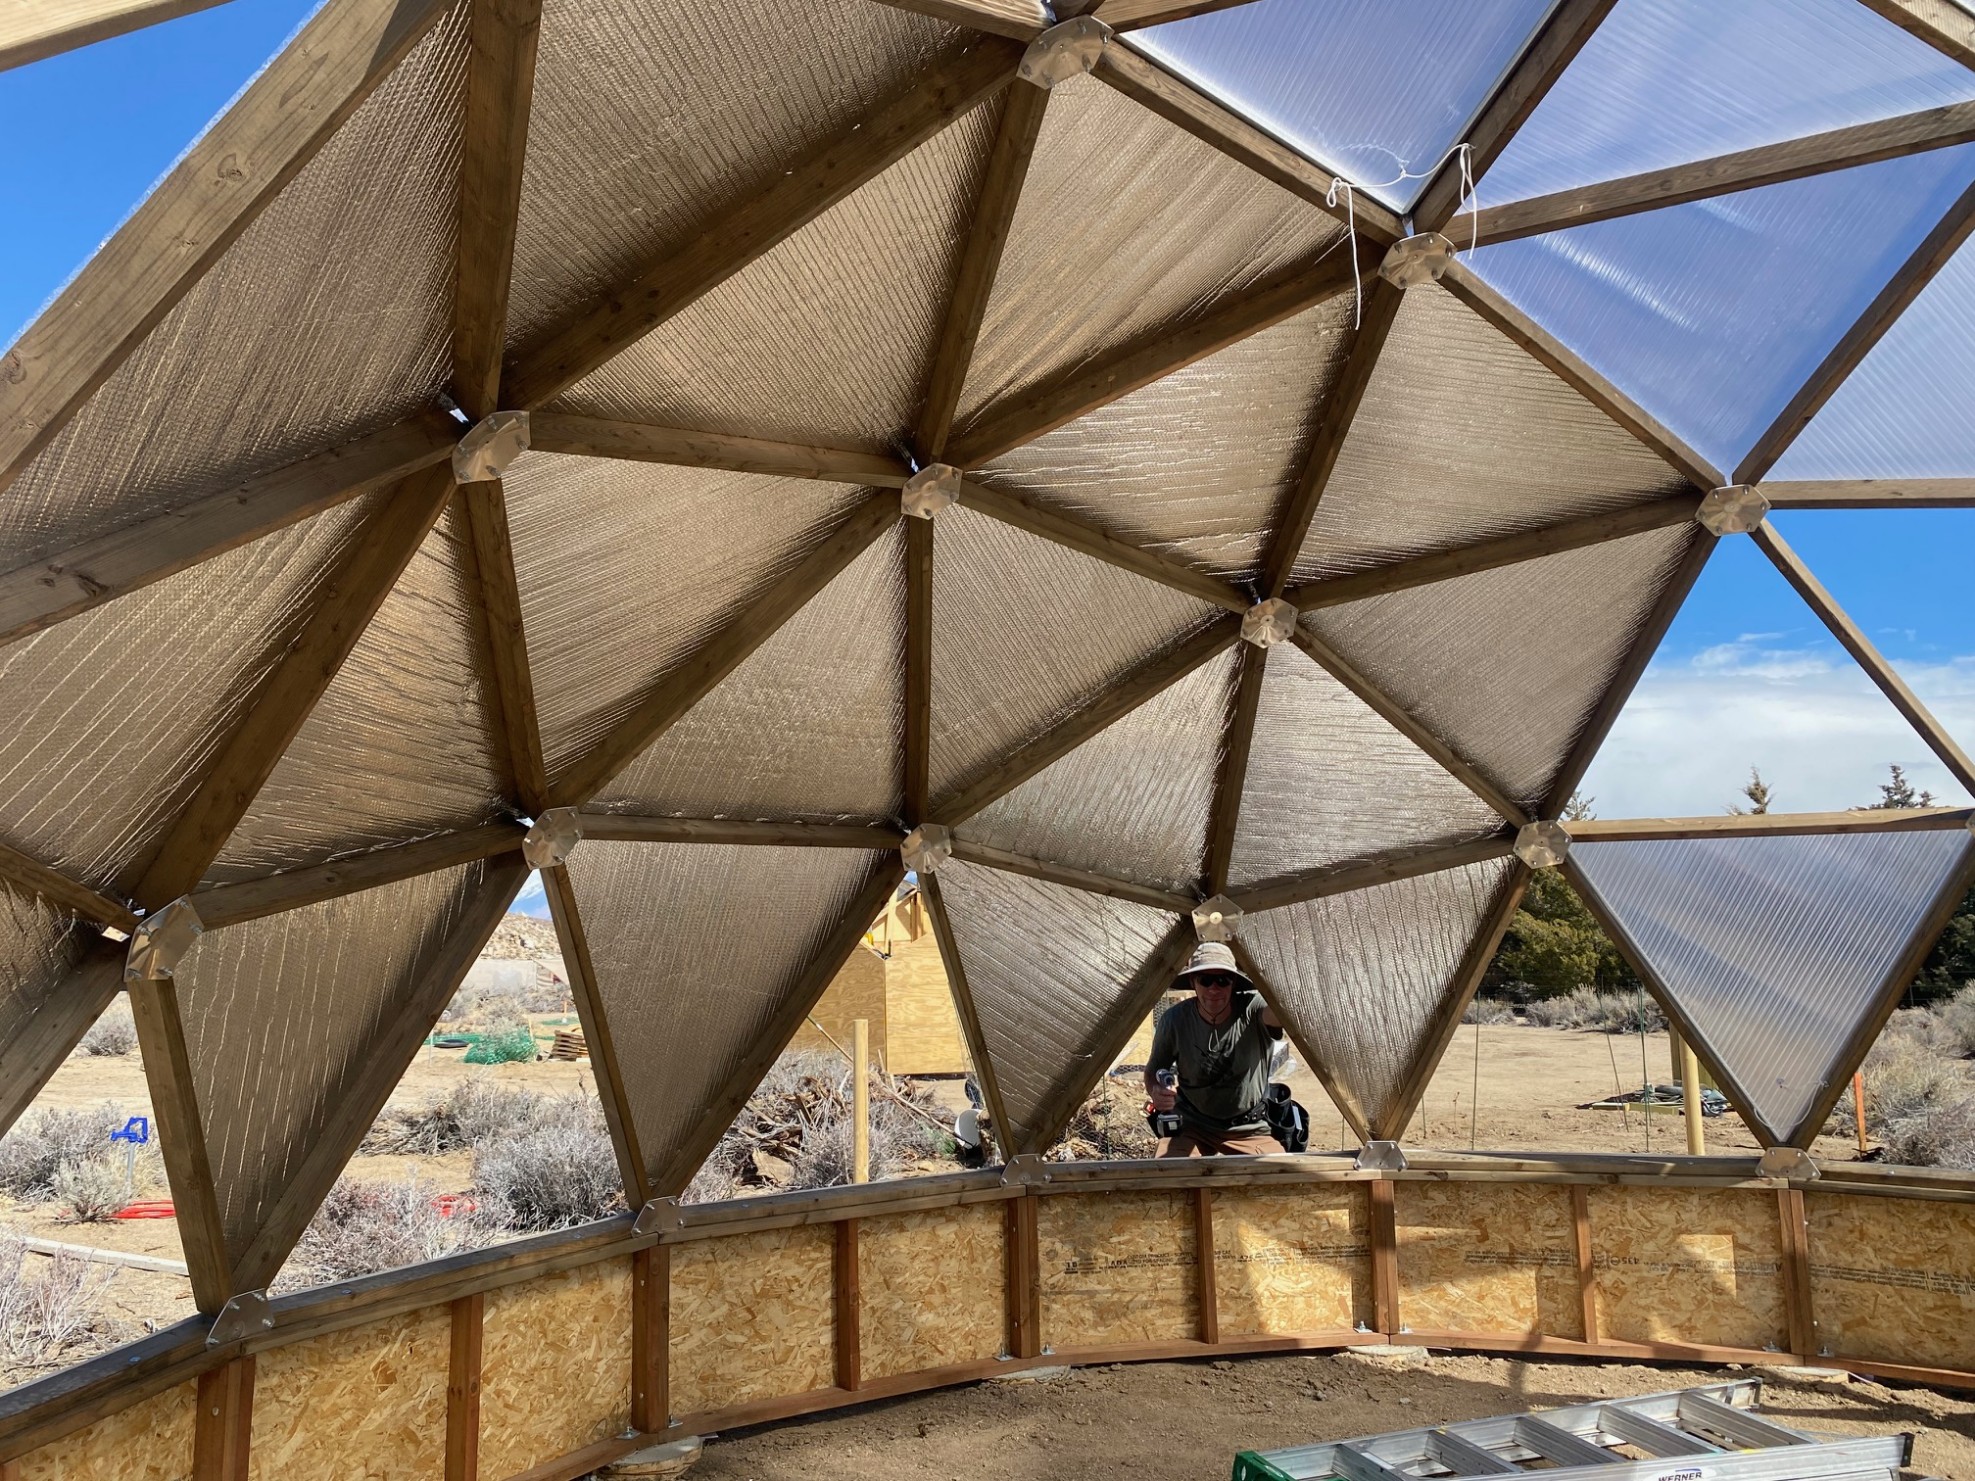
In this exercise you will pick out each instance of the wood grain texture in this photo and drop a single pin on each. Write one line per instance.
(630, 828)
(223, 1428)
(1232, 777)
(1021, 20)
(1870, 493)
(464, 1346)
(917, 760)
(1081, 879)
(149, 1441)
(1682, 1265)
(1943, 25)
(517, 726)
(754, 1318)
(16, 868)
(651, 1325)
(845, 1282)
(40, 1045)
(1481, 1258)
(969, 1015)
(366, 1402)
(684, 447)
(555, 1367)
(32, 30)
(1893, 1280)
(1290, 1260)
(1117, 1269)
(1373, 869)
(931, 1289)
(182, 1140)
(1774, 825)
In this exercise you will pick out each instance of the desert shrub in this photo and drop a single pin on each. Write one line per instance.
(550, 1177)
(45, 1142)
(1904, 1079)
(509, 1041)
(363, 1228)
(1488, 1010)
(473, 1111)
(1600, 1012)
(1956, 1020)
(113, 1035)
(1943, 1135)
(51, 1309)
(90, 1192)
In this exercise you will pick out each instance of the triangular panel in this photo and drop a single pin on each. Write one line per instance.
(56, 976)
(1775, 949)
(1363, 978)
(1051, 971)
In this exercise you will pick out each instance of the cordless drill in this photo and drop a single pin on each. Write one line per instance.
(1163, 1123)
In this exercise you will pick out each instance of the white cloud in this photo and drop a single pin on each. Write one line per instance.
(531, 900)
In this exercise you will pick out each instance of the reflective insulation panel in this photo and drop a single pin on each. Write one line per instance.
(53, 986)
(1134, 800)
(1196, 465)
(1776, 948)
(1329, 780)
(1127, 226)
(328, 318)
(1362, 978)
(1026, 633)
(290, 1019)
(1464, 436)
(39, 946)
(1506, 665)
(1049, 969)
(829, 337)
(810, 727)
(697, 948)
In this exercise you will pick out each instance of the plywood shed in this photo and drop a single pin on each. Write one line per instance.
(725, 459)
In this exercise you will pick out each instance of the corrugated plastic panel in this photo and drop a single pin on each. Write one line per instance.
(828, 338)
(400, 745)
(1664, 82)
(1776, 948)
(330, 317)
(1329, 780)
(1133, 801)
(1712, 315)
(1126, 224)
(113, 715)
(626, 568)
(1463, 436)
(1362, 977)
(653, 119)
(696, 948)
(1195, 465)
(1506, 665)
(1026, 632)
(39, 947)
(1049, 969)
(1378, 92)
(286, 1016)
(810, 727)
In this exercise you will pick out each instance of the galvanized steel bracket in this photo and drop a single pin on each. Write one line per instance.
(1734, 510)
(1024, 1170)
(1791, 1163)
(1542, 844)
(1068, 49)
(933, 488)
(927, 847)
(660, 1216)
(246, 1315)
(1215, 919)
(1414, 260)
(160, 942)
(1267, 623)
(490, 445)
(552, 838)
(1380, 1156)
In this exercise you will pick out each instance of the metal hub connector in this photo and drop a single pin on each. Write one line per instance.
(1543, 844)
(933, 488)
(1067, 50)
(160, 942)
(1413, 260)
(246, 1315)
(552, 838)
(1734, 510)
(1380, 1156)
(490, 445)
(1792, 1163)
(1267, 623)
(1215, 919)
(927, 847)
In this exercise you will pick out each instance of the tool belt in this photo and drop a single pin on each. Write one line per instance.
(1285, 1118)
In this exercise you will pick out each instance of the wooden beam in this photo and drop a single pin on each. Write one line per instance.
(104, 567)
(41, 1043)
(1232, 776)
(994, 214)
(970, 852)
(1382, 867)
(1587, 1274)
(1106, 709)
(1854, 642)
(1076, 391)
(517, 725)
(846, 1300)
(968, 1013)
(223, 1422)
(281, 705)
(1745, 169)
(215, 192)
(1022, 20)
(1180, 103)
(593, 437)
(651, 1340)
(291, 889)
(16, 868)
(1942, 24)
(1136, 15)
(684, 273)
(690, 681)
(1794, 1229)
(1543, 61)
(1385, 1258)
(1205, 1287)
(1024, 1259)
(182, 1139)
(630, 828)
(463, 1387)
(1773, 825)
(918, 758)
(33, 30)
(1871, 493)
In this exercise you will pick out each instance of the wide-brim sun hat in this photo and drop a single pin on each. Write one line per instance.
(1213, 956)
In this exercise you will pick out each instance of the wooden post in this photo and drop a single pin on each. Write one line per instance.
(224, 1425)
(860, 1101)
(463, 1390)
(1385, 1259)
(1858, 1110)
(1796, 1272)
(651, 1310)
(1024, 1279)
(1690, 1100)
(850, 1323)
(1587, 1280)
(1203, 1246)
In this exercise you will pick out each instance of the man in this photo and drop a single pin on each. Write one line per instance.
(1219, 1043)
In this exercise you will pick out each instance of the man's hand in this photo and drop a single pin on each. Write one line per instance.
(1163, 1097)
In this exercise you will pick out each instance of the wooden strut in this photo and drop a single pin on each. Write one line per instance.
(683, 447)
(1380, 867)
(468, 1317)
(630, 828)
(1206, 1292)
(1024, 1259)
(1385, 1259)
(17, 869)
(1943, 25)
(1773, 825)
(917, 759)
(651, 1339)
(1581, 1245)
(1870, 493)
(41, 1043)
(223, 1422)
(1341, 1095)
(971, 852)
(969, 1015)
(50, 27)
(1232, 777)
(1794, 1232)
(847, 1304)
(983, 15)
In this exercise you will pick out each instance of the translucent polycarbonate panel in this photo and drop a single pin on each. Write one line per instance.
(1776, 948)
(810, 727)
(828, 338)
(1329, 780)
(1362, 978)
(1134, 800)
(626, 568)
(289, 1020)
(1376, 91)
(1026, 633)
(1666, 82)
(329, 317)
(653, 121)
(401, 743)
(1712, 315)
(697, 948)
(1195, 465)
(39, 947)
(1463, 436)
(113, 715)
(1127, 224)
(1506, 665)
(1906, 411)
(1050, 970)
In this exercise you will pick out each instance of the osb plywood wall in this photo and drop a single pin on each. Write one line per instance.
(1292, 1260)
(1893, 1278)
(368, 1404)
(753, 1317)
(922, 1030)
(1485, 1257)
(1117, 1268)
(857, 991)
(1691, 1265)
(151, 1441)
(555, 1366)
(931, 1288)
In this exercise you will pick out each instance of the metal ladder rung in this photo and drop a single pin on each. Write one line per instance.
(1652, 1435)
(1464, 1458)
(1559, 1446)
(1355, 1465)
(1737, 1426)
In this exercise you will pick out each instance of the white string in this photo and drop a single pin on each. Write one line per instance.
(1463, 151)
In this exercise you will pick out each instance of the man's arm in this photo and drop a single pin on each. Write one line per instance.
(1165, 1050)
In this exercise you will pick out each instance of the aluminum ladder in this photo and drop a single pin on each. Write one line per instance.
(1692, 1434)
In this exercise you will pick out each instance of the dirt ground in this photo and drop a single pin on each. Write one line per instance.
(1186, 1421)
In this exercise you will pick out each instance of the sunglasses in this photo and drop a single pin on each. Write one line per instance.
(1213, 979)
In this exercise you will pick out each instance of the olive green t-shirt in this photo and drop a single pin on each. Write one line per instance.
(1224, 1068)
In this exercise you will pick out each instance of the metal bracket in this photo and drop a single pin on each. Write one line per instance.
(1734, 510)
(933, 488)
(1068, 49)
(927, 847)
(552, 838)
(1024, 1170)
(160, 942)
(1380, 1156)
(1414, 260)
(1215, 919)
(1542, 844)
(246, 1315)
(1267, 623)
(490, 445)
(660, 1216)
(1792, 1163)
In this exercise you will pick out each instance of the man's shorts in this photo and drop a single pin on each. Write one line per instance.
(1195, 1141)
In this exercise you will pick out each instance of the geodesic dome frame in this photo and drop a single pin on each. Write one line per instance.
(719, 459)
